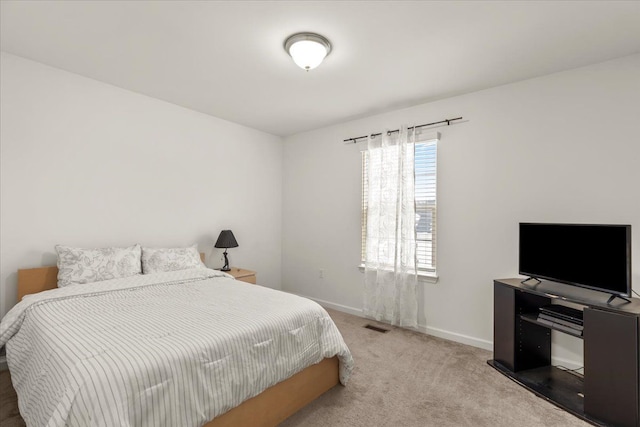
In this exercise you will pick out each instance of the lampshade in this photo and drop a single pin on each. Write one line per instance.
(226, 239)
(308, 50)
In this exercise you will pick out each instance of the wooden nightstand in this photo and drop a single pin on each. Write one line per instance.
(243, 275)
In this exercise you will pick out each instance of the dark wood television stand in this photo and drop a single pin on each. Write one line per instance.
(608, 394)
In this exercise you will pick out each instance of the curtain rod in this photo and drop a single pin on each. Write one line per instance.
(447, 121)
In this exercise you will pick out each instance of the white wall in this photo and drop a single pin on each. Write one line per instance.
(561, 148)
(88, 164)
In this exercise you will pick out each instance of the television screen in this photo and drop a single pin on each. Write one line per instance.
(591, 256)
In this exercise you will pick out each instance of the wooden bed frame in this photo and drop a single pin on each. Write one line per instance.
(268, 409)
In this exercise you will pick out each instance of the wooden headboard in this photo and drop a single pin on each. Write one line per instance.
(34, 280)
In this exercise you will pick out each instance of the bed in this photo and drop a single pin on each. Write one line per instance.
(158, 350)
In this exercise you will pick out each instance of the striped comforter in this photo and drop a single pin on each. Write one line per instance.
(169, 349)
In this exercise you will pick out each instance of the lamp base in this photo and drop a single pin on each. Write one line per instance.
(226, 262)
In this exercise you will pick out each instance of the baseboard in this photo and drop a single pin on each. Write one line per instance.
(437, 332)
(428, 330)
(454, 336)
(334, 306)
(570, 364)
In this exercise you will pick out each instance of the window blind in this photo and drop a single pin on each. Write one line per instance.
(365, 198)
(426, 206)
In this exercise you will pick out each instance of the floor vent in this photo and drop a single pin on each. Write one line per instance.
(376, 328)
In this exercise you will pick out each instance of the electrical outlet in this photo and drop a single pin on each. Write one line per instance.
(321, 273)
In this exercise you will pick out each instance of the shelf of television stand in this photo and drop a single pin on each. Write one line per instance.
(559, 387)
(585, 297)
(533, 318)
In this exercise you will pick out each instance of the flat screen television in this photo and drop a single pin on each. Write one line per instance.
(593, 256)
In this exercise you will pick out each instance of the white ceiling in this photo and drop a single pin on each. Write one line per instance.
(226, 58)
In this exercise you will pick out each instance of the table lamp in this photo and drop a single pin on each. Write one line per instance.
(226, 240)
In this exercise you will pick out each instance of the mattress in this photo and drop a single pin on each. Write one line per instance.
(177, 348)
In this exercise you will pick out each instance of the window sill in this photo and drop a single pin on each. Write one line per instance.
(423, 276)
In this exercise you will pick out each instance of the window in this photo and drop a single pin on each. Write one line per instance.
(425, 153)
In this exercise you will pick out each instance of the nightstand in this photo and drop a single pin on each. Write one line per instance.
(243, 275)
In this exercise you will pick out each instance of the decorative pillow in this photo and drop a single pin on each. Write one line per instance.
(158, 260)
(81, 265)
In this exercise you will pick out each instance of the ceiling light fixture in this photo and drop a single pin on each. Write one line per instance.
(308, 50)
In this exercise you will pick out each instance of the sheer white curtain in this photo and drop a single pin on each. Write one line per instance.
(390, 259)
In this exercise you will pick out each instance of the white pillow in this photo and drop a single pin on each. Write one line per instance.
(158, 260)
(88, 265)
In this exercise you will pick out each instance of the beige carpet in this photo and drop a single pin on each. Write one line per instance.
(9, 415)
(404, 378)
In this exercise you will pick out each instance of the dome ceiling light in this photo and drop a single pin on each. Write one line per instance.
(308, 50)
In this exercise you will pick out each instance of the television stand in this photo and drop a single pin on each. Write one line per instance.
(609, 392)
